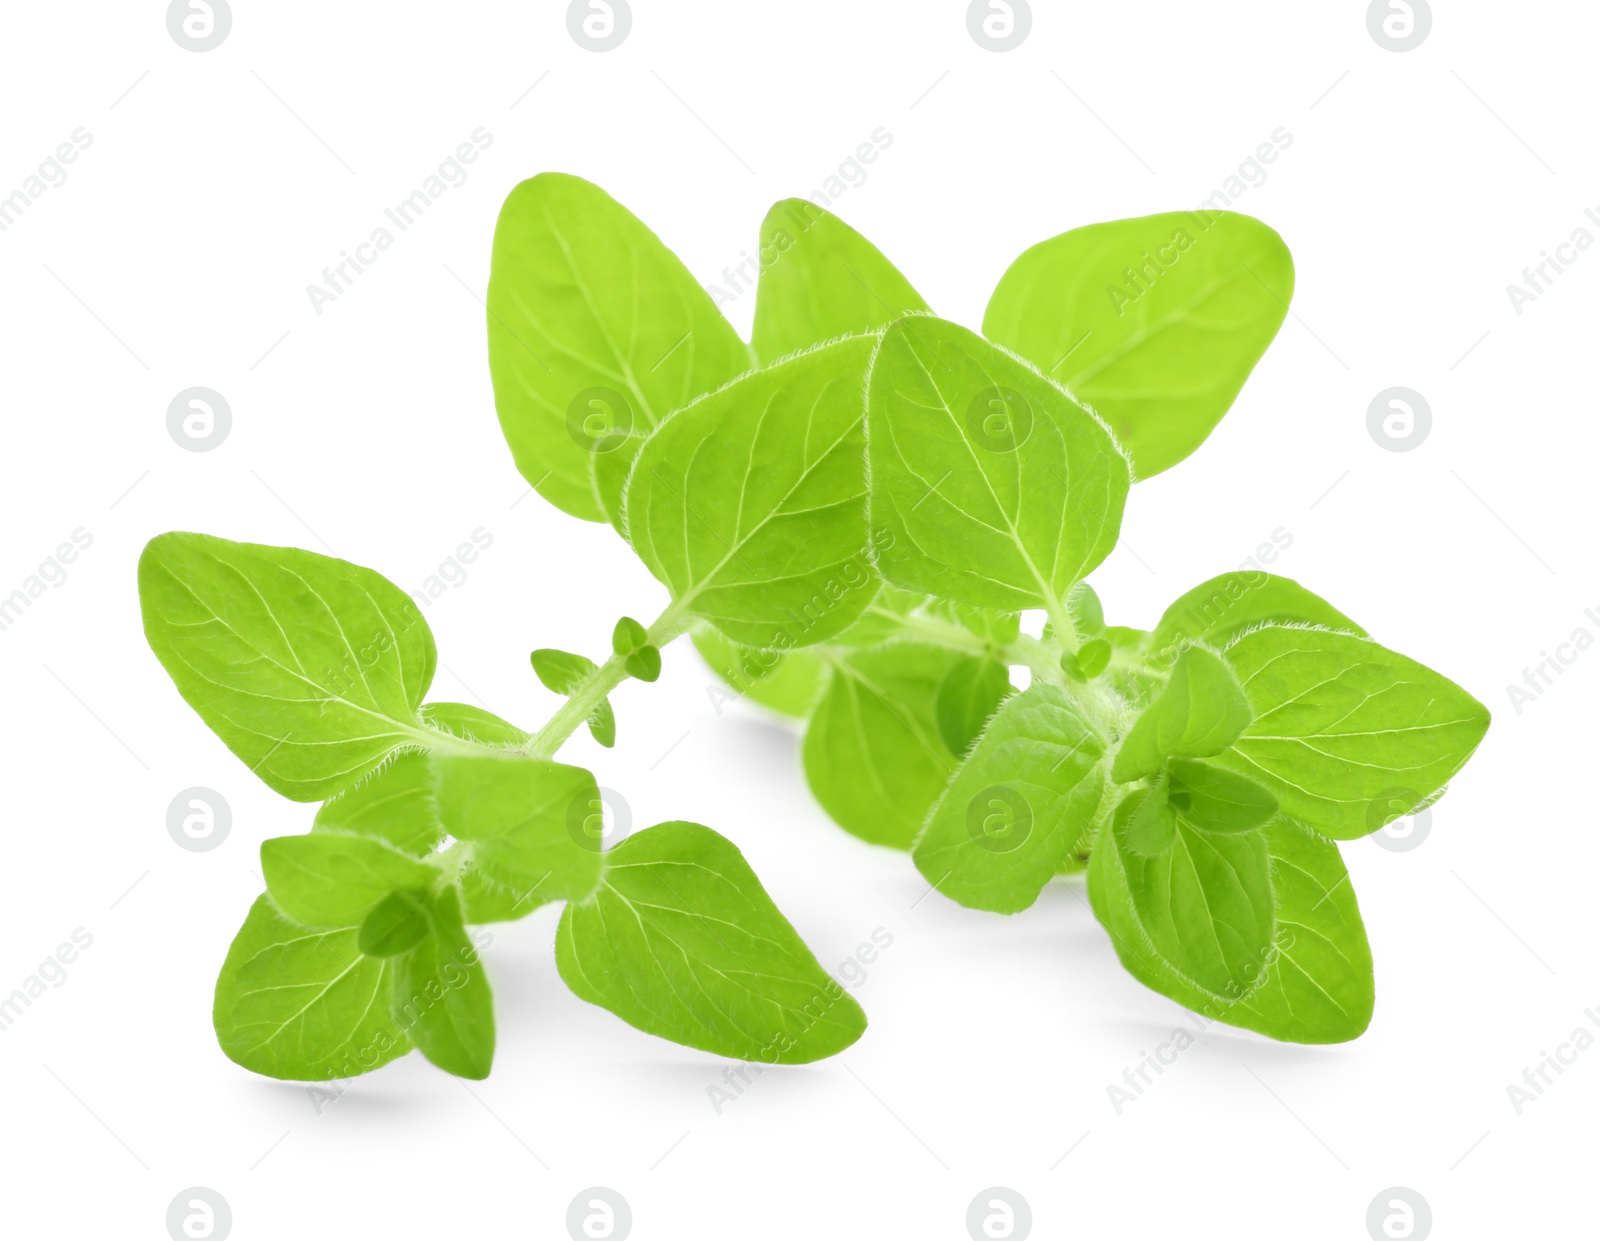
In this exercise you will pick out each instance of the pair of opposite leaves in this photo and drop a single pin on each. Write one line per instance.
(1159, 374)
(437, 816)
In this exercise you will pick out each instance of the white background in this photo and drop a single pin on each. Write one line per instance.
(178, 252)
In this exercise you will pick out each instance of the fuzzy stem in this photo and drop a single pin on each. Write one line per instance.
(592, 690)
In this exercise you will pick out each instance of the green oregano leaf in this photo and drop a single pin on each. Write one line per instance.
(1214, 799)
(560, 671)
(989, 484)
(1027, 792)
(1314, 982)
(784, 681)
(1204, 903)
(303, 1005)
(644, 664)
(820, 279)
(522, 817)
(396, 924)
(968, 695)
(596, 333)
(1088, 661)
(1219, 610)
(750, 503)
(1083, 606)
(603, 724)
(873, 753)
(394, 805)
(327, 880)
(440, 995)
(469, 723)
(310, 669)
(1347, 735)
(1094, 656)
(1201, 710)
(628, 636)
(1144, 823)
(682, 941)
(1155, 322)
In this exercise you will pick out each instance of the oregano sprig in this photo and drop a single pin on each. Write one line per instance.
(439, 817)
(851, 513)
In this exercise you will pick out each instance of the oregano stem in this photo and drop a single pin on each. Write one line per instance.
(1062, 628)
(939, 632)
(593, 688)
(1037, 656)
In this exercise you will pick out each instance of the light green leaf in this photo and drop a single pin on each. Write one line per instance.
(750, 503)
(1084, 607)
(440, 996)
(560, 671)
(484, 796)
(1214, 799)
(967, 697)
(644, 664)
(396, 924)
(1155, 322)
(303, 1005)
(628, 635)
(394, 805)
(1320, 986)
(1204, 904)
(1218, 611)
(1316, 982)
(896, 614)
(682, 941)
(1144, 823)
(603, 723)
(989, 485)
(486, 899)
(1347, 734)
(788, 682)
(1088, 661)
(1018, 803)
(596, 333)
(472, 724)
(1201, 710)
(310, 669)
(873, 755)
(821, 279)
(327, 880)
(523, 818)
